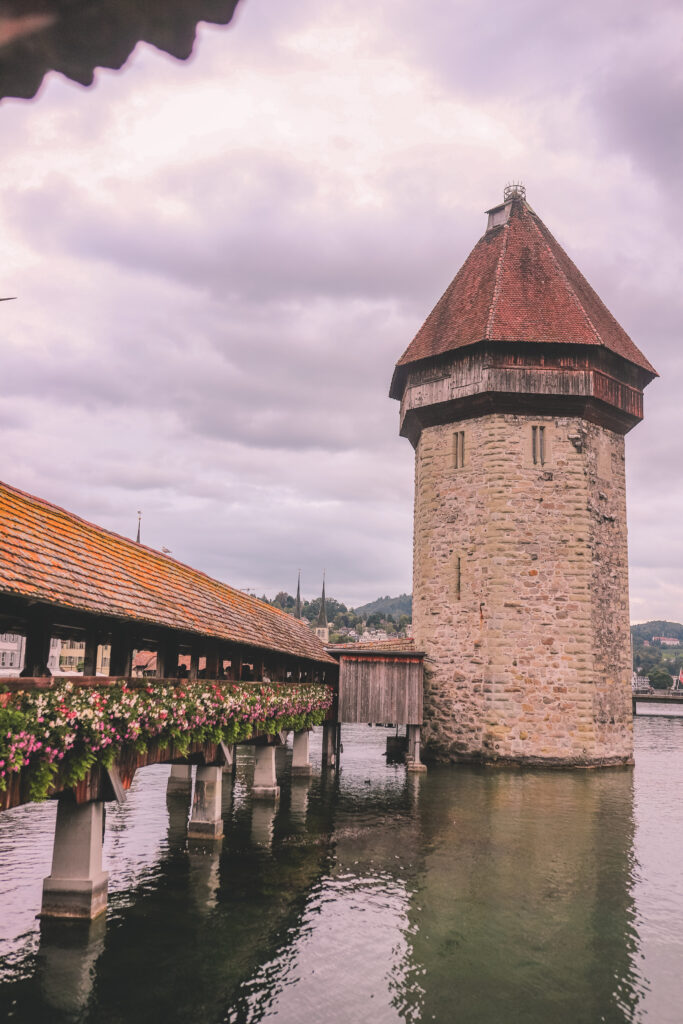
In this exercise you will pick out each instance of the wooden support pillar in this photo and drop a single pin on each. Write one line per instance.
(301, 764)
(167, 659)
(258, 667)
(37, 647)
(211, 655)
(120, 659)
(194, 661)
(329, 744)
(413, 762)
(90, 653)
(265, 780)
(206, 821)
(77, 885)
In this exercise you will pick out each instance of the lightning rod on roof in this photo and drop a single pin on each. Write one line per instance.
(137, 539)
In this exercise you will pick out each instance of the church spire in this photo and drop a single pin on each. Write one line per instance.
(297, 603)
(322, 617)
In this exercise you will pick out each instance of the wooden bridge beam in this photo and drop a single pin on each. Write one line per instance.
(90, 654)
(37, 649)
(167, 658)
(120, 660)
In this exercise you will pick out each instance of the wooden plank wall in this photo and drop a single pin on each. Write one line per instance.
(380, 690)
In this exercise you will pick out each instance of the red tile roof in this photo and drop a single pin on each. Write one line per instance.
(47, 554)
(518, 284)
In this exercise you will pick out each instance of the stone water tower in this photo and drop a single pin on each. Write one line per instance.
(516, 394)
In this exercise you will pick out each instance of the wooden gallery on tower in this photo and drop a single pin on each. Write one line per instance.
(516, 394)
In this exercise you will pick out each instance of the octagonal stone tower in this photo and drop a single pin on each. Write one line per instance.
(516, 394)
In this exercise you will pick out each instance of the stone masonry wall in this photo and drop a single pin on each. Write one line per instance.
(520, 592)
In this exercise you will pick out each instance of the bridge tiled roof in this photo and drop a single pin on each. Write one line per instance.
(518, 285)
(399, 646)
(76, 38)
(50, 555)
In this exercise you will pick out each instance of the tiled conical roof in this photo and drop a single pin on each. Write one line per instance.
(518, 285)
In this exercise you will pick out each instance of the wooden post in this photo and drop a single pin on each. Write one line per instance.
(37, 646)
(90, 654)
(120, 659)
(211, 654)
(194, 660)
(167, 659)
(329, 743)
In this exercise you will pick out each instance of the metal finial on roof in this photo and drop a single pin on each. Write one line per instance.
(514, 190)
(137, 539)
(297, 603)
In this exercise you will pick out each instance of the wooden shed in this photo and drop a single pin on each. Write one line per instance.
(380, 683)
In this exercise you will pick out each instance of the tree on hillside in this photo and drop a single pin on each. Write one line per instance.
(659, 679)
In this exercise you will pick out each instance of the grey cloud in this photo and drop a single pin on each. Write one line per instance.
(265, 235)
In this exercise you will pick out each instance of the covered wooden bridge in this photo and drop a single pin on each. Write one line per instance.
(62, 577)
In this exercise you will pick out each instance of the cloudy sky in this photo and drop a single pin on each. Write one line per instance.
(218, 263)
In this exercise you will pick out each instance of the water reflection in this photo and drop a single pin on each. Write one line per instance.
(369, 896)
(66, 963)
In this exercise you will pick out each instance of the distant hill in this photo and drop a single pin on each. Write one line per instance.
(658, 627)
(401, 605)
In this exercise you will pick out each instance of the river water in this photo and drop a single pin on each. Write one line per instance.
(465, 895)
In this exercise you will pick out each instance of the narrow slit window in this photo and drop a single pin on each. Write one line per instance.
(538, 447)
(458, 578)
(459, 449)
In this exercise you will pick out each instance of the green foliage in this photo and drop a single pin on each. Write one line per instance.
(396, 606)
(656, 627)
(659, 679)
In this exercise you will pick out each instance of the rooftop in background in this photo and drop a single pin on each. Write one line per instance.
(406, 646)
(38, 36)
(517, 285)
(52, 556)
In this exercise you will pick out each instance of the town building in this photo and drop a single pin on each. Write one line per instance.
(516, 394)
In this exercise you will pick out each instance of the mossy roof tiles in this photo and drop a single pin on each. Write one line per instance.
(53, 556)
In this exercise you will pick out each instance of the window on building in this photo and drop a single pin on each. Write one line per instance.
(2, 658)
(538, 446)
(457, 577)
(459, 449)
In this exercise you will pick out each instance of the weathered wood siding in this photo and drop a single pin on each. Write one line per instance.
(386, 689)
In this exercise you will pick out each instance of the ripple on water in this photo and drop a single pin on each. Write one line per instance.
(373, 896)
